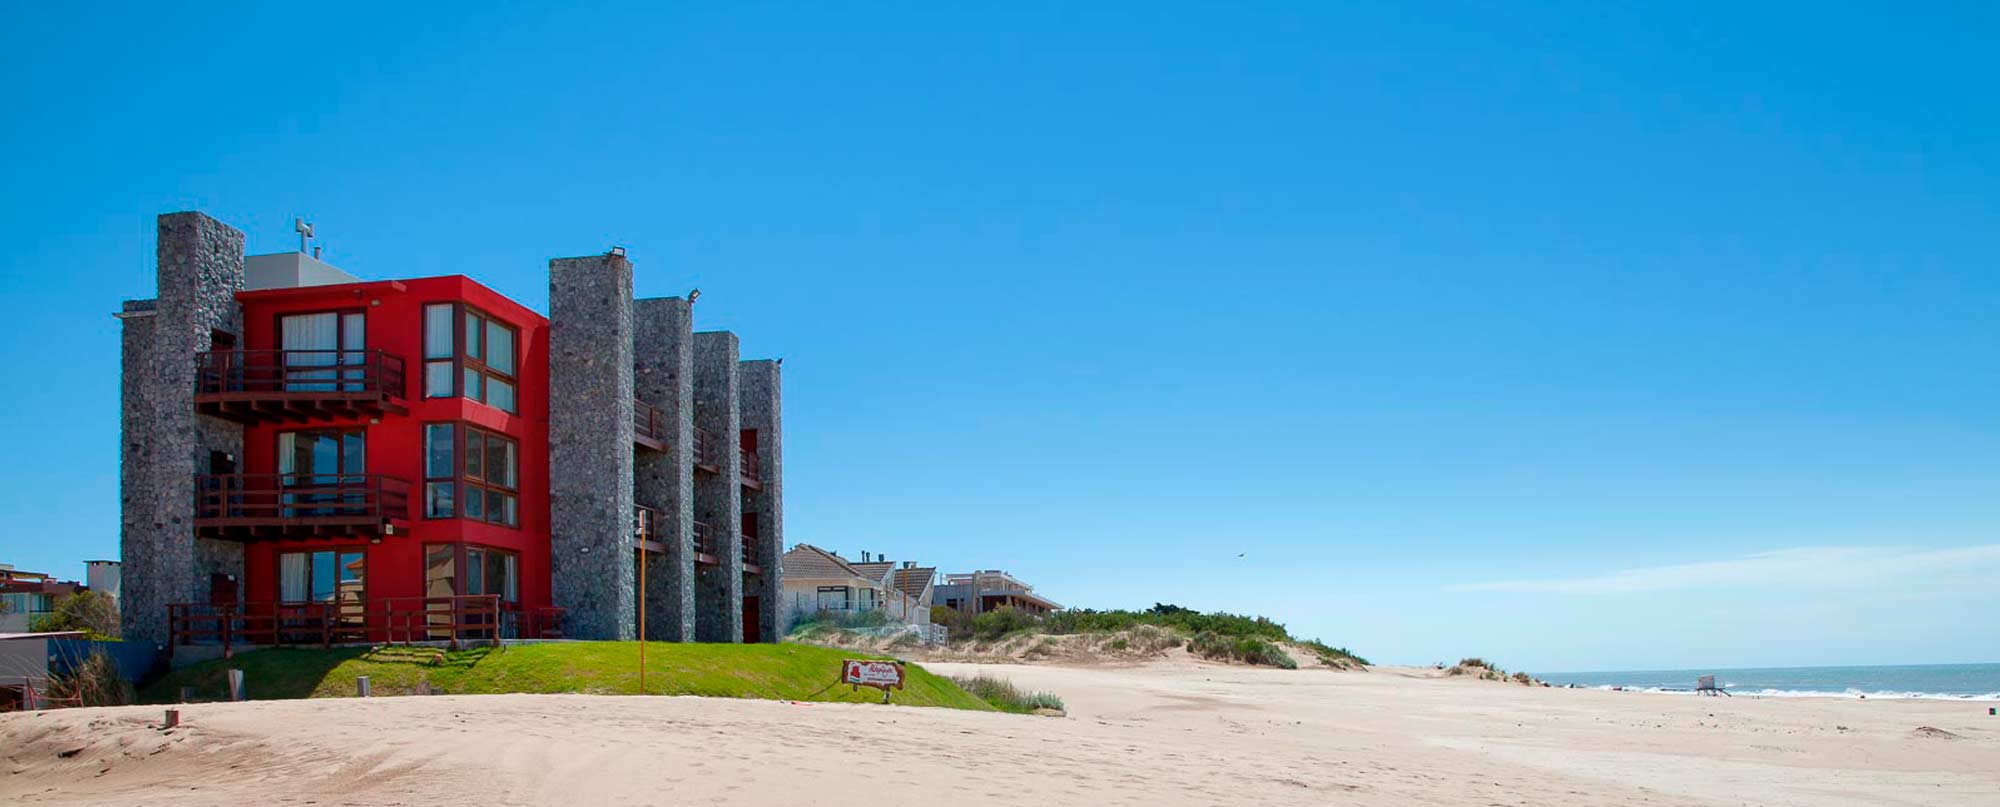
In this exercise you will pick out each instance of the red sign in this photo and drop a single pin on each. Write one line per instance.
(879, 674)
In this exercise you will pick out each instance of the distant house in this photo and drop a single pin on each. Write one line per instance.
(821, 580)
(986, 589)
(25, 595)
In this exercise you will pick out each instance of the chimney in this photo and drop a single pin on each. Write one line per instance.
(909, 564)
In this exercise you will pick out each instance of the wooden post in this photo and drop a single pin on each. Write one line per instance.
(172, 719)
(236, 688)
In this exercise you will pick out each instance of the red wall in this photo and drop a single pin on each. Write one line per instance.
(395, 445)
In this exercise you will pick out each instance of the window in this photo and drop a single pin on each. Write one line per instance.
(475, 476)
(467, 347)
(868, 599)
(833, 598)
(334, 340)
(337, 577)
(468, 569)
(440, 470)
(323, 471)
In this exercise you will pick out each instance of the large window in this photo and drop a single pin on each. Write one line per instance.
(466, 569)
(322, 471)
(334, 340)
(337, 577)
(471, 473)
(833, 598)
(467, 352)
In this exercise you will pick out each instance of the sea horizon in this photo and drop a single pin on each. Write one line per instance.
(1976, 681)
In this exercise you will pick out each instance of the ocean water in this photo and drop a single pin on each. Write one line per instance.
(1943, 681)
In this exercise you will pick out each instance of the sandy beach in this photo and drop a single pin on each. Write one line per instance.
(1171, 732)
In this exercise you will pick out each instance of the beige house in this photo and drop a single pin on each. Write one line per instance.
(818, 580)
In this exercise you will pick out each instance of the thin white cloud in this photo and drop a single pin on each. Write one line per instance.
(1814, 567)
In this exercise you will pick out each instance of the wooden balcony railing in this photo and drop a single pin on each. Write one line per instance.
(707, 452)
(649, 426)
(707, 547)
(646, 528)
(299, 505)
(750, 556)
(457, 619)
(278, 386)
(752, 475)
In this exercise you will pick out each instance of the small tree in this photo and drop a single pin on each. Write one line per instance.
(87, 611)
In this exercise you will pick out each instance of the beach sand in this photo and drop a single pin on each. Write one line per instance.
(1171, 732)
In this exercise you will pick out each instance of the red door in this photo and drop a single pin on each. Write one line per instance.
(752, 633)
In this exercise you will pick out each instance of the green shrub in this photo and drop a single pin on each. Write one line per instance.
(1006, 697)
(1333, 656)
(1246, 649)
(92, 682)
(821, 621)
(88, 611)
(1002, 621)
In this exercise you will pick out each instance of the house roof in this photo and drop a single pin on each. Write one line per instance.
(806, 561)
(873, 570)
(913, 581)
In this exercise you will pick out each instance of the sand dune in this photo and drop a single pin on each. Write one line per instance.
(1175, 732)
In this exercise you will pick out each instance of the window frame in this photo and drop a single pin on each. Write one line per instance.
(471, 358)
(340, 614)
(461, 552)
(464, 484)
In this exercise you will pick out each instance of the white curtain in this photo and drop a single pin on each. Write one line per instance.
(313, 332)
(292, 576)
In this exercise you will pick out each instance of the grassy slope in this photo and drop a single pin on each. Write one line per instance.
(779, 672)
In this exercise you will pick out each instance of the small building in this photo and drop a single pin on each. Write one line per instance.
(818, 580)
(25, 595)
(986, 589)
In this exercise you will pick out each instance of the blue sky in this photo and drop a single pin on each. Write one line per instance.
(1578, 338)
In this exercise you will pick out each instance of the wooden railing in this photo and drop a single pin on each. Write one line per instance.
(286, 497)
(226, 372)
(704, 540)
(457, 619)
(649, 424)
(750, 470)
(707, 452)
(645, 523)
(750, 551)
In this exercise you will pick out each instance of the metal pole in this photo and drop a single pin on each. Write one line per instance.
(236, 692)
(642, 620)
(361, 686)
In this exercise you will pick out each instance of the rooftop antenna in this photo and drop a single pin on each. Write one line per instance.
(305, 232)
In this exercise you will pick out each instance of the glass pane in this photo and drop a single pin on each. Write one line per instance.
(500, 394)
(437, 451)
(288, 444)
(475, 571)
(352, 587)
(441, 570)
(310, 341)
(496, 506)
(500, 461)
(353, 453)
(323, 576)
(496, 573)
(513, 592)
(437, 379)
(508, 515)
(475, 504)
(437, 499)
(292, 576)
(437, 332)
(472, 385)
(353, 334)
(475, 454)
(472, 326)
(499, 347)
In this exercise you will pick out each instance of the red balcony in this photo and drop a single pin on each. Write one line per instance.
(456, 619)
(707, 452)
(253, 506)
(649, 426)
(298, 386)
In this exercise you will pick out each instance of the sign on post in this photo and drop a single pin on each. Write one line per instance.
(882, 675)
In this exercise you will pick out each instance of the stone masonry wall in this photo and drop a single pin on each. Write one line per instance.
(163, 443)
(590, 445)
(717, 497)
(759, 405)
(663, 352)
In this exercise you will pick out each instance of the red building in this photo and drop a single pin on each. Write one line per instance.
(455, 423)
(310, 457)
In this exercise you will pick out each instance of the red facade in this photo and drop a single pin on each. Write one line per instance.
(400, 562)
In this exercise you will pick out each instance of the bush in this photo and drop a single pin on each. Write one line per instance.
(88, 611)
(1002, 621)
(1333, 656)
(1186, 620)
(93, 682)
(1247, 649)
(957, 625)
(1005, 696)
(832, 620)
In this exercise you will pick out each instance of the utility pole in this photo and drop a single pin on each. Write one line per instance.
(642, 619)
